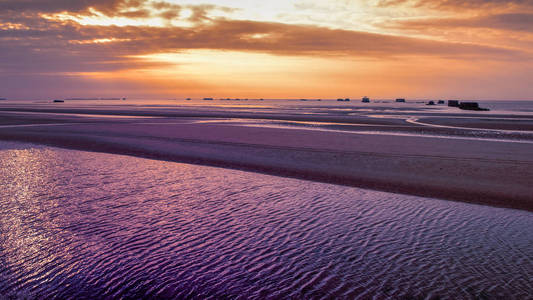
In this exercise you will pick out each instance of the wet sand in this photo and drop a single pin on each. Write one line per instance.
(489, 165)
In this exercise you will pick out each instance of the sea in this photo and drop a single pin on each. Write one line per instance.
(85, 225)
(274, 105)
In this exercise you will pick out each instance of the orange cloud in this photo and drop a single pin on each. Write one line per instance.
(39, 50)
(461, 4)
(507, 21)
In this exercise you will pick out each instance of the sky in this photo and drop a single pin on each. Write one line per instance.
(419, 49)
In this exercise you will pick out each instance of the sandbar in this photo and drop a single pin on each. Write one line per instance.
(481, 169)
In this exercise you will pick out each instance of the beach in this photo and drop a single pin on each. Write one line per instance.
(477, 157)
(266, 149)
(264, 200)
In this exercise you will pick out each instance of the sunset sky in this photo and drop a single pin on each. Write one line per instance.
(475, 49)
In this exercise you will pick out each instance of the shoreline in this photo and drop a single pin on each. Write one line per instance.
(442, 192)
(481, 172)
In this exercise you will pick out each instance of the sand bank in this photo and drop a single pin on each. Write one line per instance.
(496, 173)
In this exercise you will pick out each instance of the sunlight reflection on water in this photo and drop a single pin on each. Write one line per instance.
(83, 225)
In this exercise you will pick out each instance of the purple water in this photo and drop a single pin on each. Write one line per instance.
(89, 225)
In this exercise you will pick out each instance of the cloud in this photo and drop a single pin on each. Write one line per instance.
(52, 53)
(50, 6)
(507, 21)
(460, 4)
(68, 47)
(42, 45)
(33, 44)
(132, 9)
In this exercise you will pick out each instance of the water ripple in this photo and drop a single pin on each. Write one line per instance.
(81, 225)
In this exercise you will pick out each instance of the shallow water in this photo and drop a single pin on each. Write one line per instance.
(90, 225)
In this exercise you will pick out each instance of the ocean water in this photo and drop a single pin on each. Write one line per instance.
(275, 105)
(90, 225)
